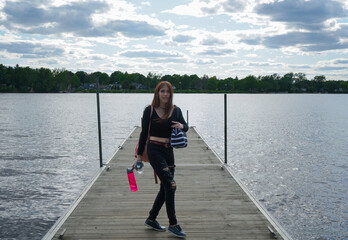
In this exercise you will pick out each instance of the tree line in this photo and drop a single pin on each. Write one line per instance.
(44, 80)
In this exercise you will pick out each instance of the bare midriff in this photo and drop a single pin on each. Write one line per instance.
(159, 139)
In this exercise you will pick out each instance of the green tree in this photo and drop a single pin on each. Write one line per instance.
(177, 81)
(44, 81)
(83, 76)
(3, 74)
(104, 79)
(331, 86)
(116, 77)
(319, 82)
(285, 82)
(153, 79)
(231, 83)
(138, 78)
(185, 82)
(343, 85)
(212, 83)
(269, 83)
(10, 76)
(126, 81)
(21, 80)
(248, 83)
(204, 81)
(222, 85)
(320, 78)
(195, 82)
(75, 82)
(60, 79)
(168, 78)
(298, 77)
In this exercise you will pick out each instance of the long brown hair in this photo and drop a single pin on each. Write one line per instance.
(156, 99)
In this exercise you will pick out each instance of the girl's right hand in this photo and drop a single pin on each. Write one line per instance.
(135, 161)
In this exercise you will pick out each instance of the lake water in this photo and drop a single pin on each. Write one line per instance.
(290, 150)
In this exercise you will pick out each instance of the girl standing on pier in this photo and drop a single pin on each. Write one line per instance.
(165, 116)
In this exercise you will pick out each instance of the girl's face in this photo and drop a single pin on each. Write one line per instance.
(164, 94)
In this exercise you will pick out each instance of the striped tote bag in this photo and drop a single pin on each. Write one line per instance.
(178, 138)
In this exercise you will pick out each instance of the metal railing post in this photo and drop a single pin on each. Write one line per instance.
(187, 120)
(225, 122)
(99, 126)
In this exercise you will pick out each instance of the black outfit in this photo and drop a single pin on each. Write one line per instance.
(158, 128)
(161, 158)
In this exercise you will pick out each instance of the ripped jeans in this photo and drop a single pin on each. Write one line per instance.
(162, 161)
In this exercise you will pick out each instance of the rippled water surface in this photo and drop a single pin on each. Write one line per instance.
(291, 151)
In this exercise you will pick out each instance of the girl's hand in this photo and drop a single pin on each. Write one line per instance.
(134, 164)
(177, 125)
(135, 161)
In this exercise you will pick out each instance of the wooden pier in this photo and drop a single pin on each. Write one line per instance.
(210, 202)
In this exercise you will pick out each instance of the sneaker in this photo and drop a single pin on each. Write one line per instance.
(154, 225)
(177, 231)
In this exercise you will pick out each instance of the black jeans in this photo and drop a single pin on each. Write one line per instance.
(162, 161)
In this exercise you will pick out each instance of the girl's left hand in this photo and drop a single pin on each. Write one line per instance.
(177, 125)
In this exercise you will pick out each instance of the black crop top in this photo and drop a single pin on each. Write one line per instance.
(158, 128)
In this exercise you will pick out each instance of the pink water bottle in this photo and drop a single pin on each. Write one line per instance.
(131, 179)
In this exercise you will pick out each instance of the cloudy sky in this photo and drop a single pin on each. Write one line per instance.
(223, 38)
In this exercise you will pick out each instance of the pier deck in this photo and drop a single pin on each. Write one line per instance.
(210, 204)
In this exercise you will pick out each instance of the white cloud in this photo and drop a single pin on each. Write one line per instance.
(301, 14)
(251, 55)
(201, 8)
(146, 3)
(182, 38)
(340, 64)
(32, 49)
(84, 19)
(212, 41)
(179, 27)
(191, 9)
(200, 36)
(204, 61)
(150, 54)
(298, 66)
(218, 52)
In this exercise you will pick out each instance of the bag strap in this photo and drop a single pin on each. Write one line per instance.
(148, 137)
(155, 176)
(148, 132)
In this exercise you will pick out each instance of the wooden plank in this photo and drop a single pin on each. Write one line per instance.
(210, 204)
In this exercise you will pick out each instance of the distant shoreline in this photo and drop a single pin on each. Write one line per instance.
(176, 91)
(44, 80)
